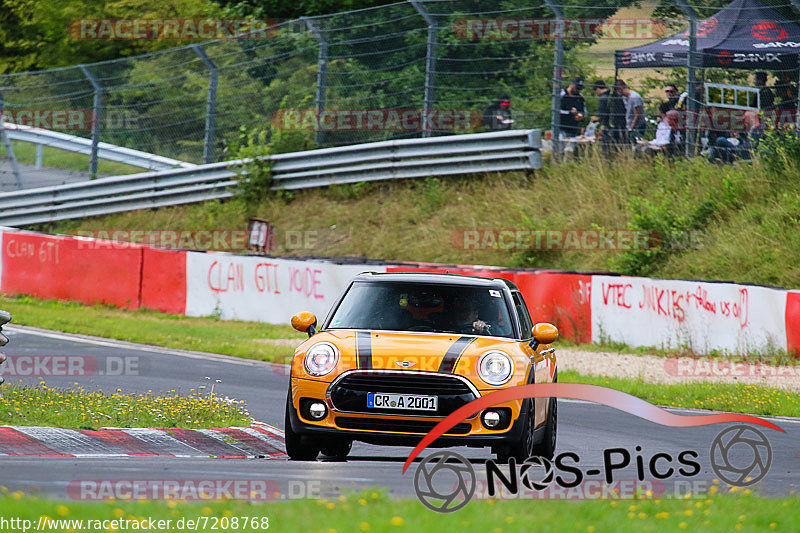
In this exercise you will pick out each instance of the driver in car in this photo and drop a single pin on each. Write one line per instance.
(467, 314)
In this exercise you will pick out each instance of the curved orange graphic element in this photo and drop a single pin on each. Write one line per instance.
(578, 391)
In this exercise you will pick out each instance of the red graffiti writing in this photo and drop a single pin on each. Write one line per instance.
(617, 293)
(305, 281)
(266, 275)
(224, 279)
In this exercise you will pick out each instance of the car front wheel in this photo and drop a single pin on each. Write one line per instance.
(298, 447)
(523, 448)
(547, 448)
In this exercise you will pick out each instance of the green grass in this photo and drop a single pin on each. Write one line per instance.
(738, 398)
(55, 158)
(375, 513)
(241, 339)
(78, 408)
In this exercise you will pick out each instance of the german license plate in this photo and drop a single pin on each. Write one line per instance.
(413, 402)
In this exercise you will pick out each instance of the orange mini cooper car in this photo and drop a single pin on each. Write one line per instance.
(398, 352)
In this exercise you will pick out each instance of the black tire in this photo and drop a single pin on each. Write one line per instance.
(337, 449)
(547, 448)
(523, 448)
(298, 447)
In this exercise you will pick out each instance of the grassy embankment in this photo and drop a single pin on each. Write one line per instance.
(737, 222)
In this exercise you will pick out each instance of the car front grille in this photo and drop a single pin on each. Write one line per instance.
(349, 393)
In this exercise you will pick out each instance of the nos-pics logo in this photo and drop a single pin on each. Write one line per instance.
(446, 481)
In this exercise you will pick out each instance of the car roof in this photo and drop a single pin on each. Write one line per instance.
(434, 278)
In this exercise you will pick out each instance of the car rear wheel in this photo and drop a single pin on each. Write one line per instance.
(298, 447)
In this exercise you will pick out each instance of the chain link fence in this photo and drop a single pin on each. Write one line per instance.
(409, 69)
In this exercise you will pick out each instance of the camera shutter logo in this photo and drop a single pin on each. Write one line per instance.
(733, 441)
(546, 478)
(458, 475)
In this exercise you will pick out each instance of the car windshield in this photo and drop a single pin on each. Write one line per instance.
(407, 306)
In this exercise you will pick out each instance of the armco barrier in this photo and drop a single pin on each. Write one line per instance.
(703, 316)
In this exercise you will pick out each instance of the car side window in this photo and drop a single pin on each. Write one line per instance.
(525, 321)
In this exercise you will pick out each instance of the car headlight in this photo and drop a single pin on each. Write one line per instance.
(321, 359)
(495, 368)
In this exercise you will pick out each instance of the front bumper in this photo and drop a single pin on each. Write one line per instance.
(398, 430)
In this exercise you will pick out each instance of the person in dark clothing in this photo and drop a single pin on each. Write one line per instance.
(573, 109)
(497, 116)
(765, 94)
(699, 97)
(617, 114)
(671, 90)
(603, 103)
(786, 90)
(726, 151)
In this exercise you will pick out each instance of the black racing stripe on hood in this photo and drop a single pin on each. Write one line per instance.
(453, 354)
(364, 349)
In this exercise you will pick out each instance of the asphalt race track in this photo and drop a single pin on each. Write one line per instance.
(585, 429)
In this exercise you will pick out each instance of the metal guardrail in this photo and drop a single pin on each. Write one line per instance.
(111, 152)
(411, 158)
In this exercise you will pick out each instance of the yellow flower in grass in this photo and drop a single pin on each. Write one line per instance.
(397, 521)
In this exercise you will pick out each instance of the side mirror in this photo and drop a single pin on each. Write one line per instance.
(305, 322)
(544, 333)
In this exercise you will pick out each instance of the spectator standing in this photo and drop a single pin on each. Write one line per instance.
(671, 91)
(573, 109)
(765, 95)
(634, 111)
(699, 97)
(497, 116)
(617, 111)
(603, 103)
(786, 90)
